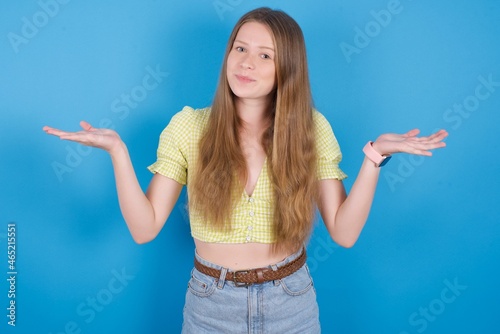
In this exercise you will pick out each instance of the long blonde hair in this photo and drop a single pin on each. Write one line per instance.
(289, 141)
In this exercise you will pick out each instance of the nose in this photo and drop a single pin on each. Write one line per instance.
(247, 62)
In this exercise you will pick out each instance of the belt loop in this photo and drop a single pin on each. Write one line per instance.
(274, 268)
(222, 278)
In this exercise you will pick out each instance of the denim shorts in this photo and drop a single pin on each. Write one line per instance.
(214, 305)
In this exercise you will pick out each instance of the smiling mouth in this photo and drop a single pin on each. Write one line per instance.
(244, 79)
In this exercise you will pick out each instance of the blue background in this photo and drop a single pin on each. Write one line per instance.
(434, 222)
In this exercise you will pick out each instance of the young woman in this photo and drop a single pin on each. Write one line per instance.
(257, 164)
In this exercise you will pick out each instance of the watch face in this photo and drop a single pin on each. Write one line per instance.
(386, 160)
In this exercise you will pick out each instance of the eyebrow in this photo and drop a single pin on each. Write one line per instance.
(261, 47)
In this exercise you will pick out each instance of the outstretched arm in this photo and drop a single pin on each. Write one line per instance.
(345, 215)
(145, 214)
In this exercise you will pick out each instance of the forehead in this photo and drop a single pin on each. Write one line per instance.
(255, 33)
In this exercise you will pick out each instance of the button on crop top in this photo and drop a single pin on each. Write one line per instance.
(252, 217)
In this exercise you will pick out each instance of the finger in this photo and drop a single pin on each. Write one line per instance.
(86, 126)
(419, 148)
(442, 133)
(48, 128)
(424, 153)
(431, 146)
(416, 151)
(53, 131)
(438, 136)
(412, 133)
(80, 136)
(433, 138)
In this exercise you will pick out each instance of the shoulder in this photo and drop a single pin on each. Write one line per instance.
(325, 138)
(189, 115)
(320, 122)
(188, 120)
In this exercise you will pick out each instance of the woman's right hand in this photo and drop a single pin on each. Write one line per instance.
(105, 139)
(145, 215)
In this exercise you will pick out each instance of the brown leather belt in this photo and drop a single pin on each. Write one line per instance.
(254, 276)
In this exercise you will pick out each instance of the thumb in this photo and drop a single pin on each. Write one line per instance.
(86, 126)
(412, 133)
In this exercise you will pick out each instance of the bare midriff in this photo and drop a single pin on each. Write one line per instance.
(239, 256)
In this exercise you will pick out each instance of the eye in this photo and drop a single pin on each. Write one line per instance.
(240, 49)
(265, 56)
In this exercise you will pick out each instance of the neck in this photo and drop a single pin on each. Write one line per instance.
(253, 113)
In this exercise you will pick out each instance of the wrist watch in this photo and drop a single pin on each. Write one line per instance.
(378, 160)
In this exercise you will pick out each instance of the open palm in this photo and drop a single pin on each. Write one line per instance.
(105, 139)
(408, 142)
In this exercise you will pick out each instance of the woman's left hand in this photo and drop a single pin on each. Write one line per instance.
(391, 143)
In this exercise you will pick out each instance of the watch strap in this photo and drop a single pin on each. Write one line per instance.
(378, 159)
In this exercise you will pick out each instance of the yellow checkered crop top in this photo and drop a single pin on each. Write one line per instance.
(253, 215)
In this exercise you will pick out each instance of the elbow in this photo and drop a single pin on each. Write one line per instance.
(144, 233)
(346, 242)
(143, 239)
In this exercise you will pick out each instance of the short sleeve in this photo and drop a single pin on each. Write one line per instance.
(329, 154)
(173, 147)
